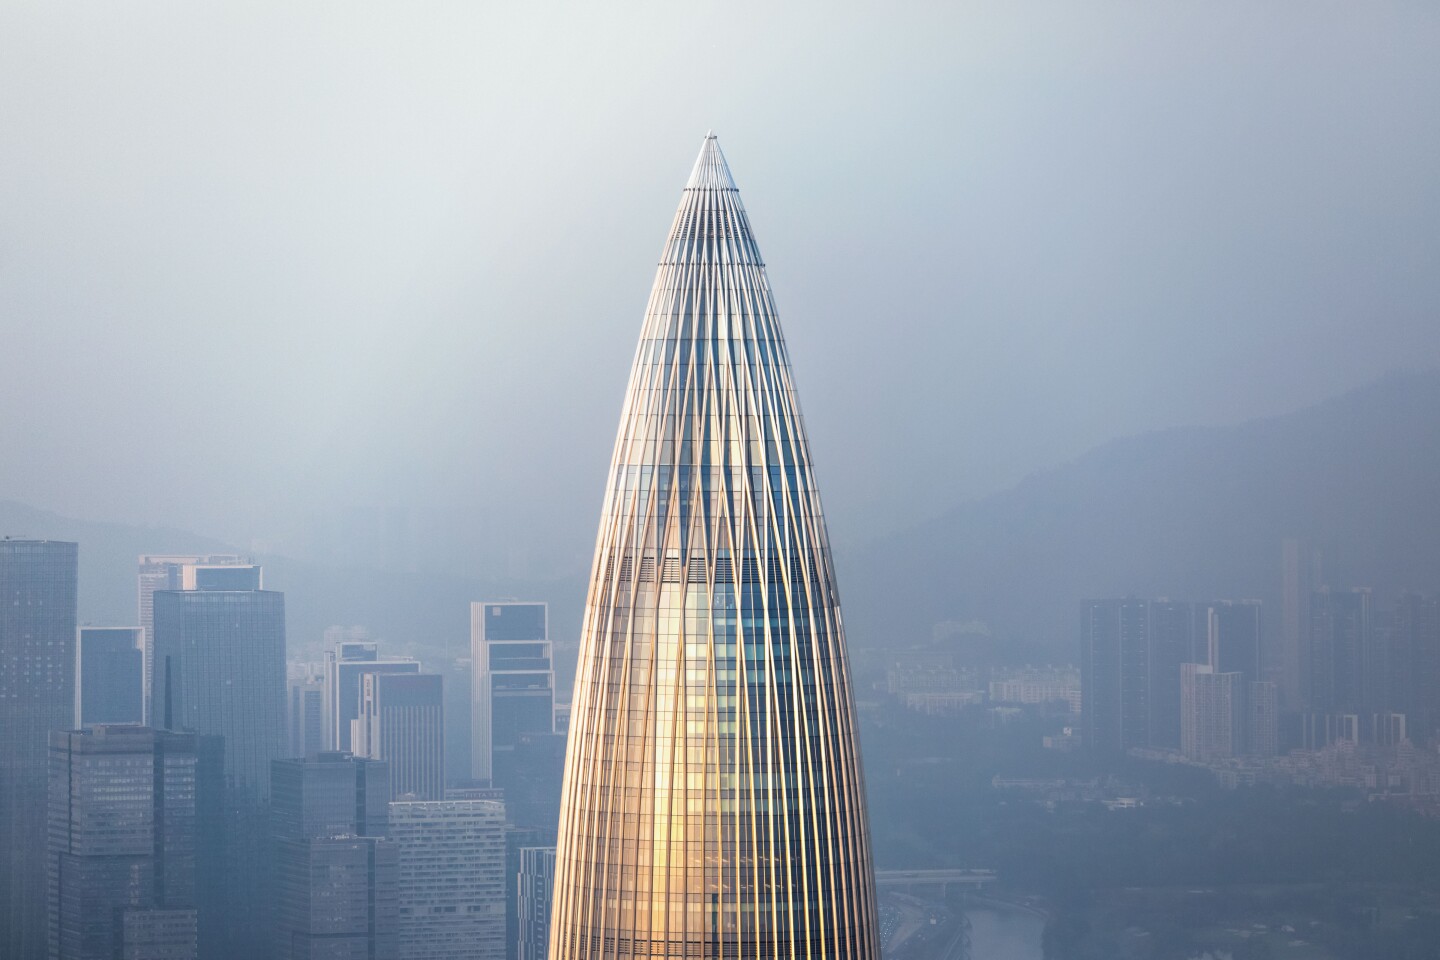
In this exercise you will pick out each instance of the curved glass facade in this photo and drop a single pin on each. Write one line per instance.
(713, 804)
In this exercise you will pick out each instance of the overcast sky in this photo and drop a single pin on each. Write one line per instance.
(268, 264)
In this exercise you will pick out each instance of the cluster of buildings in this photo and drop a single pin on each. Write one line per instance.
(931, 682)
(170, 790)
(1346, 678)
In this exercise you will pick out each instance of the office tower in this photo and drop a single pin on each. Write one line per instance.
(452, 880)
(517, 839)
(713, 802)
(338, 899)
(537, 889)
(305, 716)
(402, 721)
(122, 844)
(336, 890)
(1131, 652)
(220, 668)
(37, 695)
(1262, 718)
(458, 718)
(514, 687)
(112, 675)
(1339, 650)
(331, 794)
(533, 788)
(1212, 718)
(346, 662)
(219, 660)
(163, 572)
(1233, 638)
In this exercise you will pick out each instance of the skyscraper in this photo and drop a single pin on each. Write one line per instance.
(163, 572)
(402, 721)
(536, 896)
(219, 660)
(513, 691)
(112, 675)
(346, 662)
(305, 716)
(220, 669)
(122, 844)
(1234, 638)
(713, 801)
(336, 890)
(452, 878)
(1212, 717)
(1339, 647)
(37, 695)
(1130, 657)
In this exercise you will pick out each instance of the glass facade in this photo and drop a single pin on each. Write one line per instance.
(513, 691)
(220, 670)
(713, 801)
(122, 843)
(112, 682)
(37, 695)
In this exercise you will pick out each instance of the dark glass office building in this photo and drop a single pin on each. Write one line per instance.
(112, 675)
(219, 671)
(37, 695)
(122, 844)
(336, 893)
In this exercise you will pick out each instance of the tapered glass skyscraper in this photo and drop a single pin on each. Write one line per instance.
(713, 800)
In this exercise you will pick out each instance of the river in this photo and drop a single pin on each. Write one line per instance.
(1000, 932)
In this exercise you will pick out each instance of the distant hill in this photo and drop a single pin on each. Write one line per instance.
(1187, 513)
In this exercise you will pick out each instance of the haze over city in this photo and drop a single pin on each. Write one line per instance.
(1114, 326)
(273, 269)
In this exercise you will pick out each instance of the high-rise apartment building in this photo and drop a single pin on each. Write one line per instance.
(346, 663)
(1262, 718)
(537, 891)
(402, 721)
(336, 890)
(121, 860)
(713, 803)
(513, 691)
(452, 878)
(163, 572)
(1131, 652)
(112, 675)
(37, 695)
(1212, 712)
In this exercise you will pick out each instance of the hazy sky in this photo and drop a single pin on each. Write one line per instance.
(267, 262)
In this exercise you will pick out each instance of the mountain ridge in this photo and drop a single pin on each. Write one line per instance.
(1188, 512)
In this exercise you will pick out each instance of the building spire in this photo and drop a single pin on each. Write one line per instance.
(711, 172)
